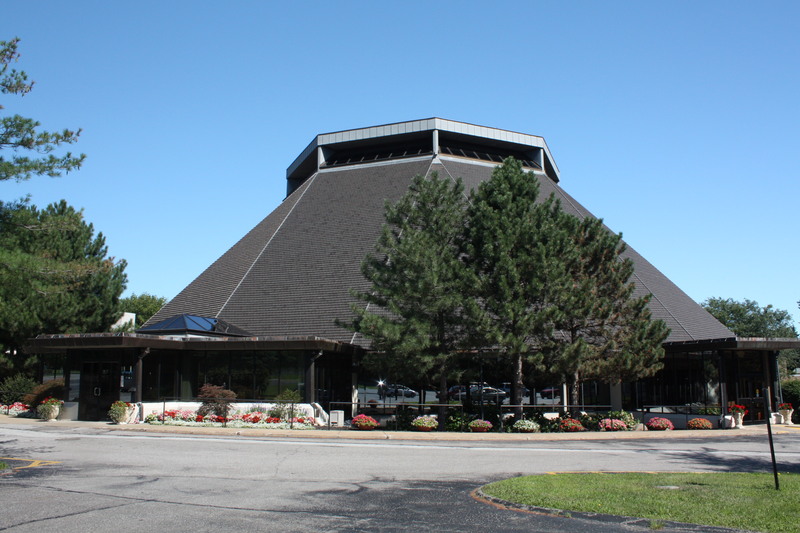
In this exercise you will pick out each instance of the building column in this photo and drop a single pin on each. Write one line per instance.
(310, 390)
(616, 396)
(138, 374)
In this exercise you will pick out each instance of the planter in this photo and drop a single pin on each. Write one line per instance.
(364, 428)
(479, 430)
(738, 420)
(422, 428)
(48, 413)
(786, 414)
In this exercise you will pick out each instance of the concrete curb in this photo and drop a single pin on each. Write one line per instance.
(347, 434)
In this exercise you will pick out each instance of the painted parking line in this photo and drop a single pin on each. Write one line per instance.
(28, 463)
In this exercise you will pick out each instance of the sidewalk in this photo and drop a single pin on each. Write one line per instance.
(349, 434)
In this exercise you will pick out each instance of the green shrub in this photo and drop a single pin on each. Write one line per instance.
(546, 425)
(284, 404)
(625, 416)
(14, 388)
(403, 417)
(53, 388)
(591, 421)
(457, 420)
(216, 400)
(791, 394)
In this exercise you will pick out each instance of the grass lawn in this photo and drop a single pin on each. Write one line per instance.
(736, 500)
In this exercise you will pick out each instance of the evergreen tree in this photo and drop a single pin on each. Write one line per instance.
(604, 332)
(20, 134)
(414, 305)
(512, 245)
(54, 273)
(56, 276)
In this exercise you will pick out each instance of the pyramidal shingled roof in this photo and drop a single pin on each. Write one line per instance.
(292, 274)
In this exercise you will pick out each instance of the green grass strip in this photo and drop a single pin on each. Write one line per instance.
(735, 500)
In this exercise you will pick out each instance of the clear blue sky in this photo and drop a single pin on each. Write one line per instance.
(678, 123)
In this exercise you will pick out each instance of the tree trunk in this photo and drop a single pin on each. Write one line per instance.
(517, 387)
(574, 395)
(443, 400)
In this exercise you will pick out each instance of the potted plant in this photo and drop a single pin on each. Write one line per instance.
(526, 426)
(425, 423)
(786, 410)
(49, 408)
(363, 422)
(120, 412)
(480, 426)
(738, 412)
(699, 423)
(658, 423)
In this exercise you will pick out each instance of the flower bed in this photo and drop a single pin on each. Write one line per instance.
(254, 419)
(17, 409)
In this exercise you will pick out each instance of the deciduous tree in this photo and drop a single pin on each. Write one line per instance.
(748, 319)
(144, 305)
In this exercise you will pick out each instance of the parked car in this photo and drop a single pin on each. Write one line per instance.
(453, 391)
(507, 389)
(487, 394)
(550, 396)
(395, 390)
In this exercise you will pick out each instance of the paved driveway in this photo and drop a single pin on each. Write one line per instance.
(91, 479)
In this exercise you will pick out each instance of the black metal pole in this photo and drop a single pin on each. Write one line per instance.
(771, 444)
(768, 414)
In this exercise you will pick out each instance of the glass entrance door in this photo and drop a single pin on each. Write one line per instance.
(100, 384)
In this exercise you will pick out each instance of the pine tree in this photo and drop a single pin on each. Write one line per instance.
(512, 247)
(603, 332)
(56, 276)
(21, 134)
(414, 305)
